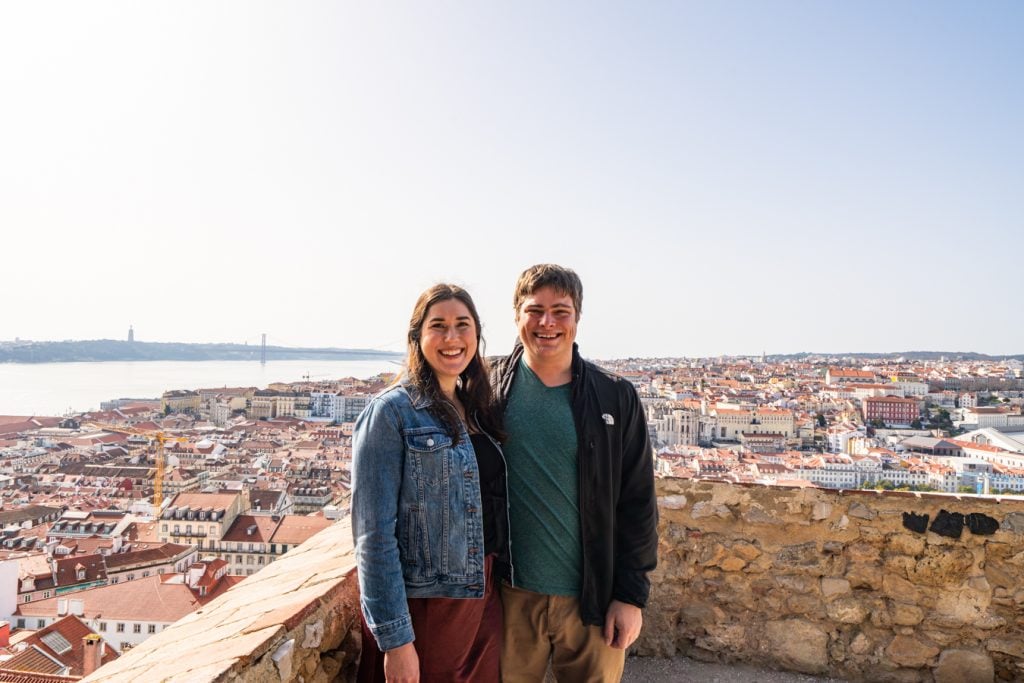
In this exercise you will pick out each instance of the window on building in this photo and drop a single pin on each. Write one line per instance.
(137, 628)
(120, 628)
(27, 598)
(46, 594)
(40, 623)
(151, 628)
(21, 623)
(103, 626)
(164, 528)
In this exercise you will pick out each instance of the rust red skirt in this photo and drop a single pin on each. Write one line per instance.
(457, 640)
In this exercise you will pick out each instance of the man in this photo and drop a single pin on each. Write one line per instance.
(583, 514)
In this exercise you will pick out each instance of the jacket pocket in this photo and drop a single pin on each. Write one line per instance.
(413, 546)
(429, 456)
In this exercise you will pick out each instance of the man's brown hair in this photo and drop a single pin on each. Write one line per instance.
(561, 279)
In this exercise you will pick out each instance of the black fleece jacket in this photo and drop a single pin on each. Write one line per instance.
(618, 506)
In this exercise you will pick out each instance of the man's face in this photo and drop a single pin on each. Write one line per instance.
(547, 325)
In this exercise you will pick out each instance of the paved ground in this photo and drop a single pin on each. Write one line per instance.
(682, 670)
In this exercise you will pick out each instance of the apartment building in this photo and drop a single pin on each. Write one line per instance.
(201, 519)
(892, 410)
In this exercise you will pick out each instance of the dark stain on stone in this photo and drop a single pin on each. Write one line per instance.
(981, 525)
(949, 524)
(915, 522)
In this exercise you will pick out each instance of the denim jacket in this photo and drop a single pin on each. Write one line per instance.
(417, 518)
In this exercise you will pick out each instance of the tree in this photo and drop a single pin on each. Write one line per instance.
(822, 422)
(916, 423)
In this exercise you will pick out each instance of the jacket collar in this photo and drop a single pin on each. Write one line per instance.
(419, 399)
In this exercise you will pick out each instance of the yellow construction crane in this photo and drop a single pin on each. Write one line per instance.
(160, 437)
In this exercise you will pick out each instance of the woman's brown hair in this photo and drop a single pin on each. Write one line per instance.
(473, 387)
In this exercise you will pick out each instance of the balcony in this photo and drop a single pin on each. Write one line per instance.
(806, 580)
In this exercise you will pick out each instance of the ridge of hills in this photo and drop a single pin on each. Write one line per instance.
(96, 350)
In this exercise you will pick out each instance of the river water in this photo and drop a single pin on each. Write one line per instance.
(57, 388)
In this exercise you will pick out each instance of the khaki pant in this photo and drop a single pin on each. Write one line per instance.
(547, 628)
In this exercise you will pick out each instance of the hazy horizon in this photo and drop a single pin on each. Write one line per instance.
(846, 352)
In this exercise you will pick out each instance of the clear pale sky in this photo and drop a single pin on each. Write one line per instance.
(726, 177)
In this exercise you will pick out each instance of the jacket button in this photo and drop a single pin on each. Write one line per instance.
(430, 442)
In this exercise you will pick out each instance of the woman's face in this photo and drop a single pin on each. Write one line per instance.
(448, 339)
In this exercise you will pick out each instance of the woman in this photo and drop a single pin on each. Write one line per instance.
(429, 510)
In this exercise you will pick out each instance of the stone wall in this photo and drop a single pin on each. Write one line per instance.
(295, 620)
(855, 584)
(852, 584)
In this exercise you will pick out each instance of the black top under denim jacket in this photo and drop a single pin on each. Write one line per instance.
(618, 505)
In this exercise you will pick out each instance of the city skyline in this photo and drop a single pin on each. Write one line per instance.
(726, 179)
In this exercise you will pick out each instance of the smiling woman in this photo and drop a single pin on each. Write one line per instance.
(429, 506)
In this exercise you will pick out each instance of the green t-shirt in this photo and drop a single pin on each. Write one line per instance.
(543, 486)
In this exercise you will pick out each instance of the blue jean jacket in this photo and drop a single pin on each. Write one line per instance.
(416, 512)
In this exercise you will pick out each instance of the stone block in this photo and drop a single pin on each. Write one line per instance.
(997, 575)
(796, 583)
(757, 515)
(821, 511)
(709, 509)
(863, 553)
(1014, 522)
(833, 588)
(672, 502)
(861, 511)
(797, 644)
(910, 652)
(846, 611)
(746, 550)
(964, 666)
(946, 567)
(905, 544)
(1014, 648)
(861, 644)
(899, 589)
(906, 615)
(864, 576)
(733, 564)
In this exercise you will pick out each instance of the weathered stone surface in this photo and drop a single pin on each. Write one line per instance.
(1014, 648)
(821, 510)
(847, 611)
(757, 515)
(709, 509)
(864, 576)
(797, 583)
(898, 588)
(746, 550)
(861, 644)
(733, 564)
(832, 588)
(672, 502)
(964, 666)
(905, 544)
(797, 644)
(906, 615)
(861, 511)
(910, 652)
(1014, 522)
(948, 567)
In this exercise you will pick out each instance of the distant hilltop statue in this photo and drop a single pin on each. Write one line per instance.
(131, 334)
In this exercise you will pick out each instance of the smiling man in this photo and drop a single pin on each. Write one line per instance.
(583, 515)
